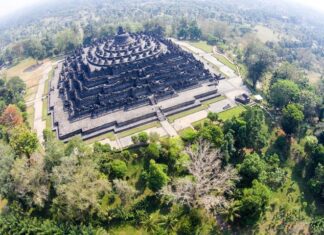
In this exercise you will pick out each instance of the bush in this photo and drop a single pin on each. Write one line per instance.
(118, 169)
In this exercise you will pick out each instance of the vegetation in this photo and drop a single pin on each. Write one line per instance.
(246, 170)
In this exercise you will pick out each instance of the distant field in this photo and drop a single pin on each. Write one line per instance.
(313, 77)
(202, 45)
(266, 34)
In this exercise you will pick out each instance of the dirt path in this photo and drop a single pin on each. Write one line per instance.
(39, 124)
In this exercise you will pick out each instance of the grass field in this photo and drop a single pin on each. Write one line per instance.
(172, 118)
(226, 62)
(214, 100)
(30, 115)
(109, 135)
(266, 34)
(202, 45)
(138, 129)
(233, 112)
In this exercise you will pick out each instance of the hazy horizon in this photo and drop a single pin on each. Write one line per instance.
(8, 8)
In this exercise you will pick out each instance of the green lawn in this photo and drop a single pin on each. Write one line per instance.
(214, 100)
(233, 112)
(109, 135)
(226, 62)
(172, 118)
(202, 45)
(30, 117)
(138, 129)
(199, 123)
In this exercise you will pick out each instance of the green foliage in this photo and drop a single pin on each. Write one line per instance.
(101, 148)
(157, 177)
(6, 163)
(253, 203)
(292, 117)
(212, 116)
(189, 135)
(252, 168)
(118, 168)
(79, 188)
(188, 30)
(76, 146)
(258, 58)
(23, 141)
(256, 128)
(283, 92)
(152, 151)
(212, 133)
(317, 182)
(143, 137)
(317, 226)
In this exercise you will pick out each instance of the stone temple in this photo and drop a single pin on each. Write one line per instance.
(124, 81)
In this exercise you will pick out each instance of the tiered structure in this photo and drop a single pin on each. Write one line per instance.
(125, 81)
(127, 71)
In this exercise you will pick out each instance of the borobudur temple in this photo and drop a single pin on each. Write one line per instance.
(124, 81)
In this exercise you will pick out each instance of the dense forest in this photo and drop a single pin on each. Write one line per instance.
(260, 172)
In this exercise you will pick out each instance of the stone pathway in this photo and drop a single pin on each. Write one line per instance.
(168, 128)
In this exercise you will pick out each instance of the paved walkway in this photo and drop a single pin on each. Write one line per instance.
(39, 124)
(185, 122)
(168, 128)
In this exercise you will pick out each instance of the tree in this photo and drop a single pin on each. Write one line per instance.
(135, 139)
(153, 151)
(124, 190)
(118, 168)
(11, 117)
(30, 180)
(209, 177)
(76, 146)
(317, 182)
(23, 141)
(212, 116)
(287, 71)
(283, 92)
(310, 102)
(253, 203)
(54, 151)
(143, 137)
(258, 58)
(101, 148)
(157, 177)
(189, 135)
(292, 117)
(6, 163)
(251, 168)
(79, 187)
(256, 128)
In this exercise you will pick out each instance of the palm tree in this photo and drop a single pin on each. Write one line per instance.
(231, 213)
(170, 222)
(151, 224)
